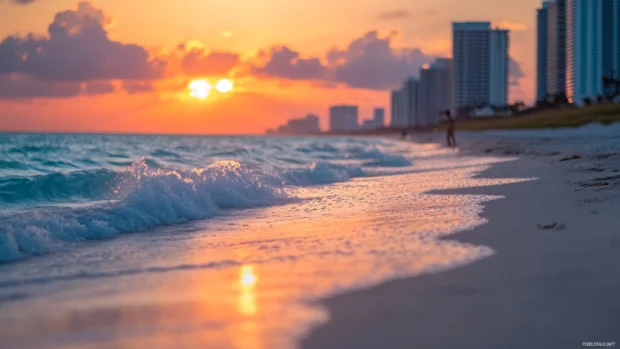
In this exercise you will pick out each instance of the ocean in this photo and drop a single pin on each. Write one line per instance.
(141, 241)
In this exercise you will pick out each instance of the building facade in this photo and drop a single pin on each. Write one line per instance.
(556, 48)
(397, 113)
(343, 118)
(379, 117)
(405, 104)
(307, 125)
(480, 73)
(435, 92)
(541, 51)
(498, 74)
(410, 101)
(592, 47)
(470, 52)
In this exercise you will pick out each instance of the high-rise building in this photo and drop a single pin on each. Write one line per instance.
(396, 109)
(592, 47)
(435, 92)
(480, 73)
(410, 101)
(541, 51)
(499, 61)
(556, 48)
(379, 117)
(343, 118)
(405, 105)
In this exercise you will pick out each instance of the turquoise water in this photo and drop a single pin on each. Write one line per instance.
(57, 189)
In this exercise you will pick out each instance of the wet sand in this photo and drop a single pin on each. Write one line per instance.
(554, 288)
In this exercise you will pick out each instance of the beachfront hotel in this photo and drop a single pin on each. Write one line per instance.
(593, 47)
(420, 101)
(556, 48)
(404, 103)
(343, 118)
(480, 73)
(578, 45)
(379, 117)
(541, 51)
(435, 93)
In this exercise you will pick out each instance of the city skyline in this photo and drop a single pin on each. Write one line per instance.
(276, 71)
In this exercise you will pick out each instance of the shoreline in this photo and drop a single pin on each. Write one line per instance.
(541, 289)
(357, 234)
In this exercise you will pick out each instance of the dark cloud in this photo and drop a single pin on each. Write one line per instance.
(288, 64)
(371, 62)
(368, 62)
(514, 69)
(395, 14)
(17, 86)
(515, 75)
(405, 14)
(98, 88)
(77, 49)
(22, 2)
(137, 87)
(197, 62)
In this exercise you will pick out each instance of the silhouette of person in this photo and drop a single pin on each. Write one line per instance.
(450, 130)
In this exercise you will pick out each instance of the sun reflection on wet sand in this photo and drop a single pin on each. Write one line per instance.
(247, 298)
(247, 333)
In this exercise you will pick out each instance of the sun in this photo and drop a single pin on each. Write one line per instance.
(199, 89)
(224, 86)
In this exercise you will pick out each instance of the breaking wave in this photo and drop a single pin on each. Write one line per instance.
(77, 188)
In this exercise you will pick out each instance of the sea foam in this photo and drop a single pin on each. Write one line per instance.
(110, 188)
(148, 199)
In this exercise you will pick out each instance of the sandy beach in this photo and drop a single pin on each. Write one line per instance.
(543, 288)
(510, 241)
(232, 254)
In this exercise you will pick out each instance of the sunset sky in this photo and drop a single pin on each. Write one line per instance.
(125, 66)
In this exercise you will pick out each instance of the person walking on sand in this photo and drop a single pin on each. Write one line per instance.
(450, 130)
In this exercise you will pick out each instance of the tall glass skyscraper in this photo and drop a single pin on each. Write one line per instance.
(556, 48)
(405, 104)
(541, 51)
(480, 72)
(592, 46)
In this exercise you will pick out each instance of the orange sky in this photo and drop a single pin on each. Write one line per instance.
(286, 59)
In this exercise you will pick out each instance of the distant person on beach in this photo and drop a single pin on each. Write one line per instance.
(450, 130)
(404, 133)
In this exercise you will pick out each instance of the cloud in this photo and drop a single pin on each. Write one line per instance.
(17, 86)
(198, 62)
(77, 48)
(98, 88)
(137, 87)
(395, 14)
(404, 14)
(371, 62)
(22, 2)
(515, 75)
(513, 26)
(288, 64)
(514, 69)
